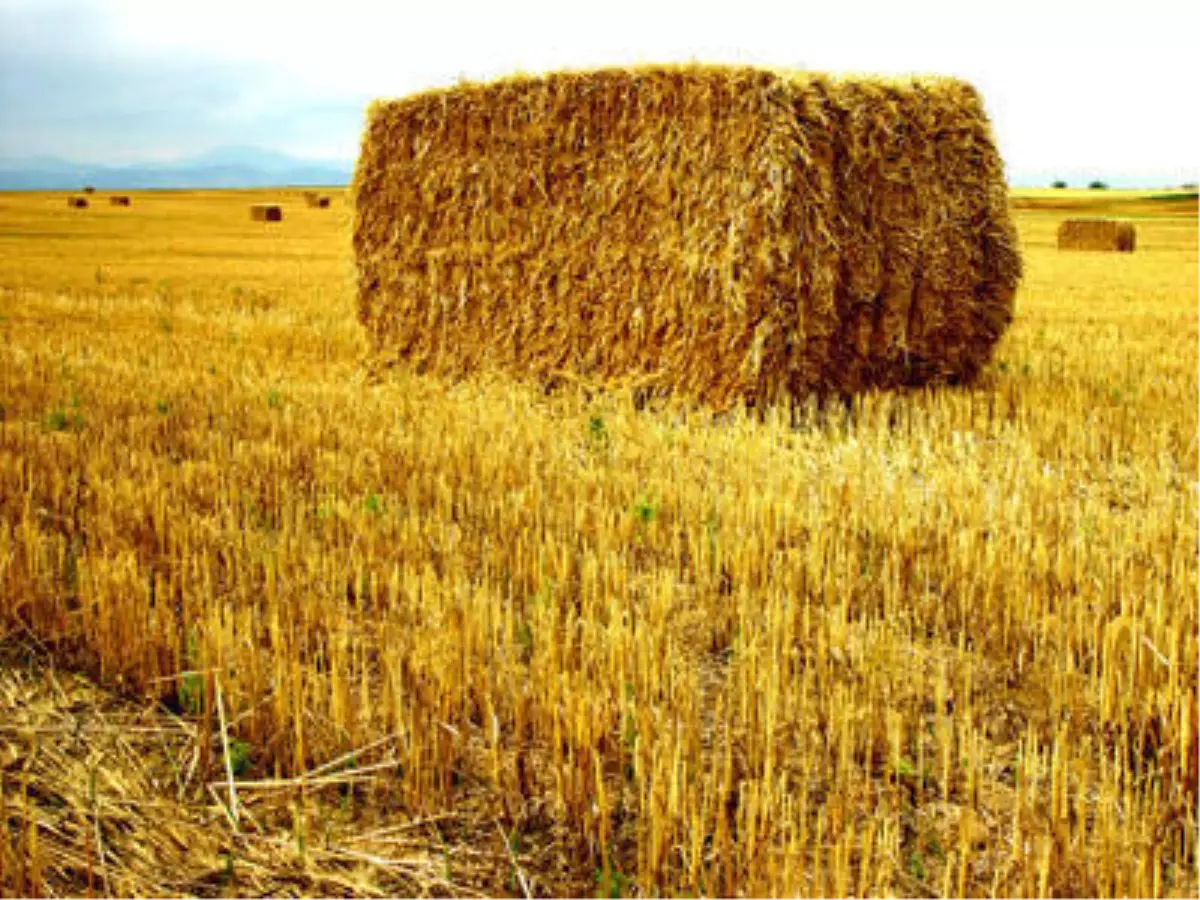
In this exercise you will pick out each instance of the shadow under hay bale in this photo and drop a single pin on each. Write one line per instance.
(77, 202)
(266, 212)
(120, 200)
(1097, 234)
(724, 234)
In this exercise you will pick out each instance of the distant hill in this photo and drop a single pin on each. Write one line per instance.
(225, 167)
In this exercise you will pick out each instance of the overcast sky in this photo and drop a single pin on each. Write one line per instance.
(1072, 87)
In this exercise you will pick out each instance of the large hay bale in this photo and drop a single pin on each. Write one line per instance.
(120, 200)
(728, 234)
(77, 202)
(266, 212)
(1097, 234)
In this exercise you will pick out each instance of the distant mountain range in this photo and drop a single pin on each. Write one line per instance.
(248, 167)
(226, 167)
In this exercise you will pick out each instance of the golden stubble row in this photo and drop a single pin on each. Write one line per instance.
(946, 640)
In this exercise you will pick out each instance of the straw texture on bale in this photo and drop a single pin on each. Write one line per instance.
(1097, 234)
(77, 202)
(120, 200)
(266, 212)
(726, 234)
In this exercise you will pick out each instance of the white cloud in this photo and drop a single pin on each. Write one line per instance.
(1074, 86)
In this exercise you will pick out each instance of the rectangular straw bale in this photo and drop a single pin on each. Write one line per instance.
(1097, 234)
(119, 200)
(727, 234)
(266, 212)
(77, 202)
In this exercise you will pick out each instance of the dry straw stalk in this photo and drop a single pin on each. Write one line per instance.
(1097, 234)
(101, 795)
(725, 234)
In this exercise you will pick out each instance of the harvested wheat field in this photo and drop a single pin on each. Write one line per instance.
(271, 625)
(725, 234)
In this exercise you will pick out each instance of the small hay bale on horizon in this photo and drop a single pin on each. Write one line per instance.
(321, 202)
(310, 198)
(1112, 235)
(120, 200)
(77, 202)
(266, 212)
(725, 234)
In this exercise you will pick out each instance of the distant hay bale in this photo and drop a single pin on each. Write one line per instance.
(89, 189)
(321, 203)
(1097, 234)
(310, 198)
(266, 212)
(120, 200)
(77, 202)
(725, 234)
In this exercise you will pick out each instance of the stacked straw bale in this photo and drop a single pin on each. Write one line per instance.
(266, 212)
(726, 234)
(1097, 234)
